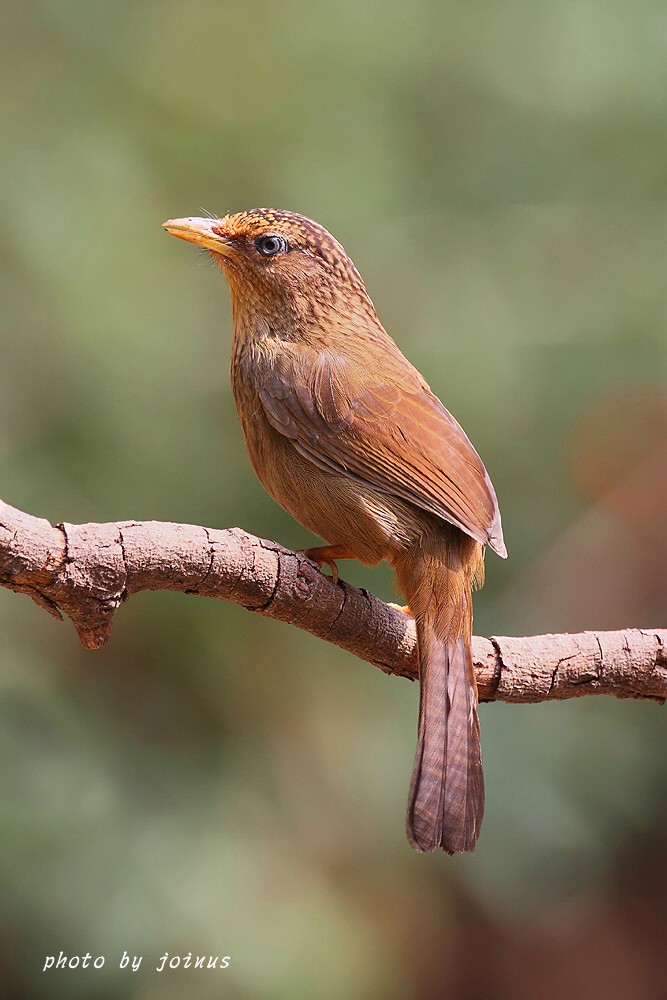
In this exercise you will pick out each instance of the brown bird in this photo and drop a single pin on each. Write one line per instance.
(347, 436)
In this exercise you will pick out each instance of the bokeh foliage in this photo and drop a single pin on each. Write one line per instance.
(216, 783)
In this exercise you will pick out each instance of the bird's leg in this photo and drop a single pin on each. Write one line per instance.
(327, 554)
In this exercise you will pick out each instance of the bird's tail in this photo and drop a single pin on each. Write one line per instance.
(446, 800)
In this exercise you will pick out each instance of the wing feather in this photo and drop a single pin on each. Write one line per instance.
(391, 433)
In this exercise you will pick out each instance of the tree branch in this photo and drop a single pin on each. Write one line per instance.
(85, 571)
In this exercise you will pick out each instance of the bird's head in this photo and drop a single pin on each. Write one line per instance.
(275, 259)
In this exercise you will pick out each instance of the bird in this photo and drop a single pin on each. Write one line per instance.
(347, 436)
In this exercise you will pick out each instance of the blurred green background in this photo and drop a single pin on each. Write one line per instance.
(215, 783)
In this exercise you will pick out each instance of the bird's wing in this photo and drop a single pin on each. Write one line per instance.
(390, 432)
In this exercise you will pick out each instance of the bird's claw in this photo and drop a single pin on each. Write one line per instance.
(405, 608)
(326, 555)
(331, 563)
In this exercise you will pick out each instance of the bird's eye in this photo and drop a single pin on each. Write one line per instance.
(270, 244)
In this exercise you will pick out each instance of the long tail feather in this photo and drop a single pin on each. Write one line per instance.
(446, 800)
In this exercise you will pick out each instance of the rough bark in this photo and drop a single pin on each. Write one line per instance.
(86, 571)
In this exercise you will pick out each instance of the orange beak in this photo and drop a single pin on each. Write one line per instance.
(202, 232)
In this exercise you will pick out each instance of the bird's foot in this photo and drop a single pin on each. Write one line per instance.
(405, 608)
(327, 555)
